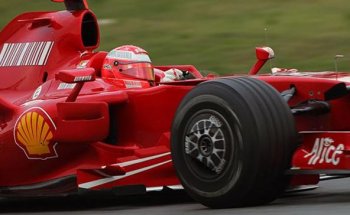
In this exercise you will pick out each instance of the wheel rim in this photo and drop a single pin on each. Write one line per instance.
(208, 144)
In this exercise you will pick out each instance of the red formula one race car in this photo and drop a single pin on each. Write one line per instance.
(72, 119)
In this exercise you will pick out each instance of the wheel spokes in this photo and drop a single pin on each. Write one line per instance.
(206, 143)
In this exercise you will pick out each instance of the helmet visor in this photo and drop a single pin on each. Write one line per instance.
(140, 70)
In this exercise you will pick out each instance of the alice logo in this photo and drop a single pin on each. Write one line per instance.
(324, 152)
(34, 134)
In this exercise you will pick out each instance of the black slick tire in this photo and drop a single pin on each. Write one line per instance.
(231, 141)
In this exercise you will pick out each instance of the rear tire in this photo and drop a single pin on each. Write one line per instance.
(232, 139)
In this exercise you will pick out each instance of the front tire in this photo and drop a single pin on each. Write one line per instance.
(232, 139)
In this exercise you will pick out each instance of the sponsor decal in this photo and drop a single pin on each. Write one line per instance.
(37, 92)
(132, 84)
(33, 133)
(124, 55)
(134, 54)
(82, 64)
(107, 66)
(324, 151)
(64, 86)
(82, 78)
(25, 54)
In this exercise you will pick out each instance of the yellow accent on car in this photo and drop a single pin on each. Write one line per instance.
(34, 133)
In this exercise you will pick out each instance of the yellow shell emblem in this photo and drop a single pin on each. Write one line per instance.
(34, 134)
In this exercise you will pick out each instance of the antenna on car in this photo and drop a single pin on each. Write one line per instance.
(266, 42)
(336, 59)
(265, 30)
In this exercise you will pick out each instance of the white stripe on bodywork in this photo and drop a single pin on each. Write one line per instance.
(3, 51)
(8, 49)
(8, 52)
(89, 185)
(161, 188)
(25, 54)
(176, 187)
(128, 163)
(32, 49)
(41, 50)
(36, 53)
(46, 53)
(151, 189)
(18, 53)
(22, 54)
(16, 50)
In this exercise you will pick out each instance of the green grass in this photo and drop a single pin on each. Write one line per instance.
(221, 35)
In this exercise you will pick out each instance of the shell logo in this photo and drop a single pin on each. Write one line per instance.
(34, 134)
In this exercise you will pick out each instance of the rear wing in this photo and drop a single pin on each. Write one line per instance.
(73, 5)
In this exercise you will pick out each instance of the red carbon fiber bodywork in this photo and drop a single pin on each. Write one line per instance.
(117, 132)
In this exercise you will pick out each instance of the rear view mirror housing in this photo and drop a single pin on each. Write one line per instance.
(76, 75)
(263, 54)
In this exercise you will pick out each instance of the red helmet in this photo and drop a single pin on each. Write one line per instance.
(128, 62)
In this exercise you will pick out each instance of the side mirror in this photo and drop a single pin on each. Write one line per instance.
(77, 76)
(263, 54)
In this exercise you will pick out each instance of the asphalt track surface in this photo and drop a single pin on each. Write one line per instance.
(332, 197)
